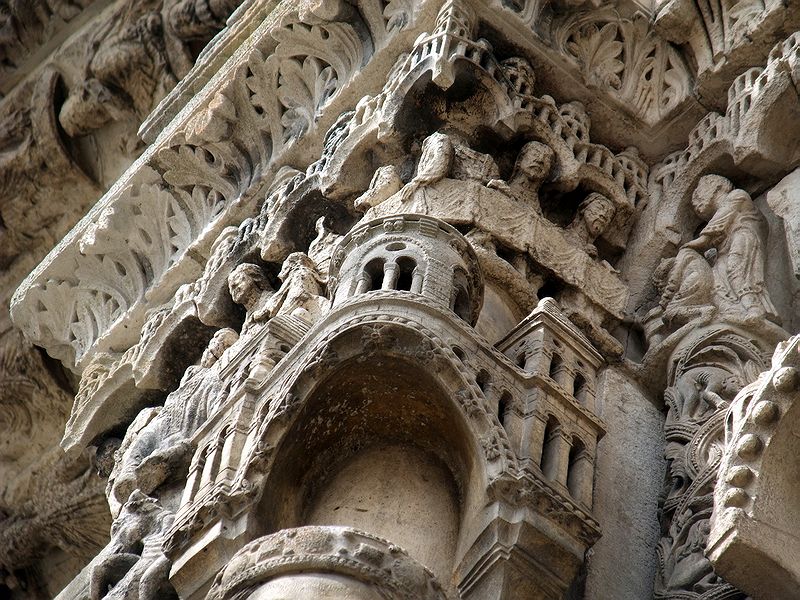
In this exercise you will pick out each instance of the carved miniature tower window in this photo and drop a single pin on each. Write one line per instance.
(563, 425)
(411, 254)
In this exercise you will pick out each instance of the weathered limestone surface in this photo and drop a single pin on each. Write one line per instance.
(407, 299)
(627, 491)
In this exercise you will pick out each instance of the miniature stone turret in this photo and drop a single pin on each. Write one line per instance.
(412, 253)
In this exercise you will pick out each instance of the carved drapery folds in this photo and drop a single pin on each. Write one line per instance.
(745, 141)
(712, 330)
(360, 258)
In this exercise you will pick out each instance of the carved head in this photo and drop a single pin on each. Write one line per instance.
(246, 283)
(707, 195)
(534, 161)
(598, 212)
(222, 340)
(295, 261)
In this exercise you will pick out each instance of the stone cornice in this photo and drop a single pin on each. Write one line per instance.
(152, 229)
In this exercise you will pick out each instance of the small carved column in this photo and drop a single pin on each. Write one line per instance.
(536, 438)
(213, 455)
(533, 360)
(195, 475)
(564, 377)
(390, 274)
(581, 478)
(416, 280)
(555, 461)
(363, 284)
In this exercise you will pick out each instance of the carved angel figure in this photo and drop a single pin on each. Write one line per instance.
(723, 268)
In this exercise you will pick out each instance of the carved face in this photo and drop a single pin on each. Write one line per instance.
(535, 160)
(707, 195)
(598, 215)
(314, 587)
(244, 284)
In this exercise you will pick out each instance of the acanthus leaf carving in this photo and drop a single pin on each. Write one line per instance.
(625, 57)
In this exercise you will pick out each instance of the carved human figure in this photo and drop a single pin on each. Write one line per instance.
(320, 250)
(594, 216)
(723, 268)
(162, 449)
(531, 169)
(384, 184)
(132, 566)
(434, 164)
(689, 569)
(250, 288)
(302, 291)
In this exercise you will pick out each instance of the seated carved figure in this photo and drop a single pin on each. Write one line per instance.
(163, 447)
(249, 288)
(327, 563)
(722, 270)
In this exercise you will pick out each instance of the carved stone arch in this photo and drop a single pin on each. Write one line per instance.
(369, 399)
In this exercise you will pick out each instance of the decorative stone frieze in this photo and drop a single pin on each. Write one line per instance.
(398, 299)
(719, 37)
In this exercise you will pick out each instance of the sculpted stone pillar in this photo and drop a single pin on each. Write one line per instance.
(716, 325)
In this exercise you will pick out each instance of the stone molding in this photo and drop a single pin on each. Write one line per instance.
(751, 512)
(174, 199)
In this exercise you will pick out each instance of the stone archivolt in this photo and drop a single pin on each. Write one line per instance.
(363, 294)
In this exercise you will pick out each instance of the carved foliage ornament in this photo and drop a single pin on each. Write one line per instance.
(271, 101)
(626, 58)
(708, 369)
